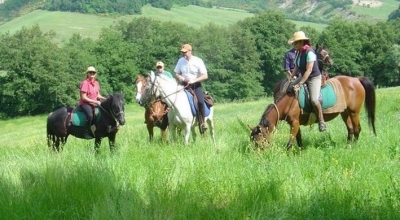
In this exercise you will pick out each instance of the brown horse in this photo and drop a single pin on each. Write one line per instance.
(155, 110)
(355, 92)
(324, 61)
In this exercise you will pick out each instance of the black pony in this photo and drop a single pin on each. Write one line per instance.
(60, 123)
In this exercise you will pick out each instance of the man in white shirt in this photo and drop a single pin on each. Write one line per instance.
(191, 72)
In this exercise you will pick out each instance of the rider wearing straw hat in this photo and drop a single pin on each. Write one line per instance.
(306, 65)
(90, 96)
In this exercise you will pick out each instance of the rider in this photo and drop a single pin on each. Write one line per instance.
(160, 70)
(191, 71)
(288, 61)
(90, 96)
(306, 64)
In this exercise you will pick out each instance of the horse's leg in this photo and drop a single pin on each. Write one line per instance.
(111, 141)
(350, 130)
(150, 129)
(57, 144)
(172, 131)
(211, 126)
(298, 138)
(188, 128)
(194, 134)
(164, 135)
(355, 120)
(97, 143)
(294, 129)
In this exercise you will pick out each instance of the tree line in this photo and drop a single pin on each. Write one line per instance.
(244, 60)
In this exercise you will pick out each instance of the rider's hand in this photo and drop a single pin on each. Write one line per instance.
(98, 103)
(192, 81)
(297, 87)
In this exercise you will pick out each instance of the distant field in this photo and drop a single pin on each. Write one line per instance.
(382, 12)
(65, 24)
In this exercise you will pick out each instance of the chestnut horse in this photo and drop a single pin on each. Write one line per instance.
(324, 61)
(355, 90)
(155, 110)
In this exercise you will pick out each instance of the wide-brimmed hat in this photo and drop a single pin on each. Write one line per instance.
(91, 69)
(186, 48)
(159, 63)
(299, 35)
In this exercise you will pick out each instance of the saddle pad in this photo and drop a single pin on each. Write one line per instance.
(191, 103)
(79, 118)
(329, 98)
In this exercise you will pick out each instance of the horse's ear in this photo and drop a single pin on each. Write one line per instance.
(317, 46)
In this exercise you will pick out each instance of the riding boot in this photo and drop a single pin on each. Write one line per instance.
(318, 110)
(201, 118)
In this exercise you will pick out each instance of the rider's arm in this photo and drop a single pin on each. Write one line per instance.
(88, 100)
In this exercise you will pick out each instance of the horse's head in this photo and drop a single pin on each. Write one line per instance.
(259, 135)
(140, 83)
(324, 60)
(116, 107)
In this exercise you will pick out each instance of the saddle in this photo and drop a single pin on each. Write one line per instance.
(331, 97)
(193, 102)
(78, 118)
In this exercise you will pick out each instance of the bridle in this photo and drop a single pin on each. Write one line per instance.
(112, 114)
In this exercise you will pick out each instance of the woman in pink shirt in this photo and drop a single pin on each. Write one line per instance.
(90, 95)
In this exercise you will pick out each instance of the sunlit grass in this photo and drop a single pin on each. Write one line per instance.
(328, 179)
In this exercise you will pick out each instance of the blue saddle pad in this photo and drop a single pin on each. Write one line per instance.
(78, 117)
(329, 98)
(191, 102)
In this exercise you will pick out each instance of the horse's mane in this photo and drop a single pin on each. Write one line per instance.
(264, 120)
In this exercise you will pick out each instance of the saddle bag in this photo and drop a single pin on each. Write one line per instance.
(208, 99)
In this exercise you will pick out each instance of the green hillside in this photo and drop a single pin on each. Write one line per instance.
(381, 12)
(67, 23)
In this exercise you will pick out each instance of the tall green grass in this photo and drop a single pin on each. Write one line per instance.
(329, 179)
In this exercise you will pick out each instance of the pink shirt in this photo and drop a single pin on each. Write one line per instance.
(91, 88)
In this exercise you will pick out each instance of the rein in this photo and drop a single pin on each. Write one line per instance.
(112, 114)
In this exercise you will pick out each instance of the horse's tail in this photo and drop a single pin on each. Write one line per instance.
(369, 100)
(50, 135)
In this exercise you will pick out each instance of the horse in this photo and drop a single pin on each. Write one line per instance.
(155, 110)
(324, 61)
(355, 92)
(60, 123)
(180, 115)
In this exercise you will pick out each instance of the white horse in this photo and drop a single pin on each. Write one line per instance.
(180, 114)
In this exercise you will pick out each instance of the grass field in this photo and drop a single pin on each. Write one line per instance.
(329, 179)
(382, 12)
(65, 23)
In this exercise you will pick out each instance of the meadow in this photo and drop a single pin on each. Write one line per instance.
(381, 13)
(328, 179)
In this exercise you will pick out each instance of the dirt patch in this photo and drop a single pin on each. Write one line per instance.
(366, 3)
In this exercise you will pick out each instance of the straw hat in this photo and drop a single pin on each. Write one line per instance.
(299, 35)
(91, 69)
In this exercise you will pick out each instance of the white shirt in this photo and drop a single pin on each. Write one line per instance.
(190, 69)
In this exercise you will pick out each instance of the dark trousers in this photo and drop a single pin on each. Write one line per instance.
(198, 90)
(88, 110)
